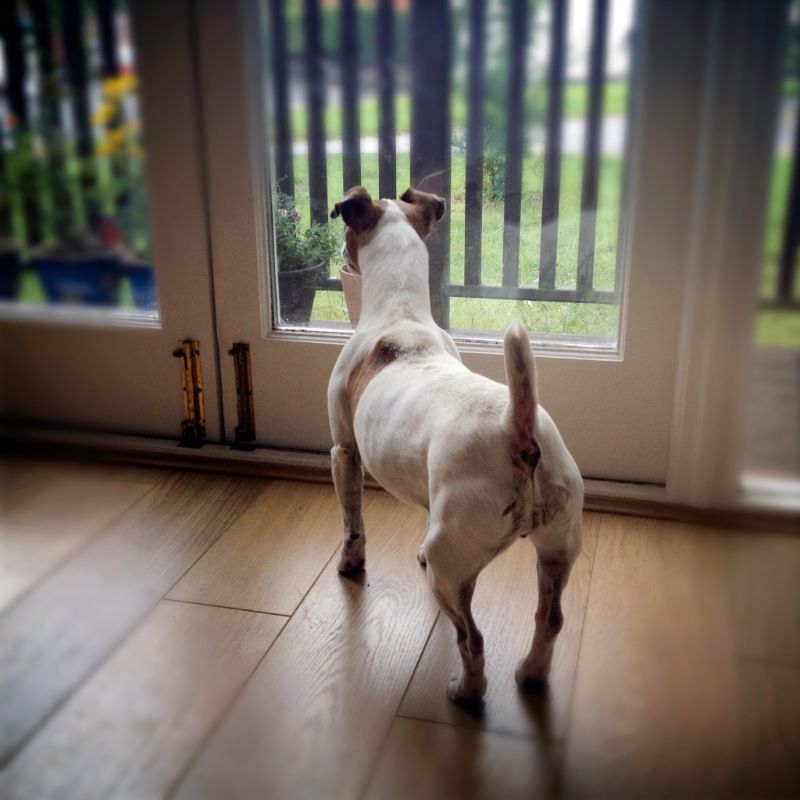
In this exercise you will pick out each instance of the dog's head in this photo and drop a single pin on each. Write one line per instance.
(362, 215)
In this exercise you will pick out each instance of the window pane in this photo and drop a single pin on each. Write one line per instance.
(74, 228)
(772, 443)
(534, 105)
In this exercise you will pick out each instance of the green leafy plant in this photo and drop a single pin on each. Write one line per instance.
(299, 248)
(121, 192)
(25, 182)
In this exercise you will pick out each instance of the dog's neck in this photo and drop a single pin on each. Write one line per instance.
(394, 269)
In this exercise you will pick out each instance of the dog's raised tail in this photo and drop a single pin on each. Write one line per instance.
(521, 377)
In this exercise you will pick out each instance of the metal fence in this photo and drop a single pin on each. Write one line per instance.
(431, 29)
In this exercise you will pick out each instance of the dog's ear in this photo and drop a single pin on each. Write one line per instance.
(423, 210)
(358, 210)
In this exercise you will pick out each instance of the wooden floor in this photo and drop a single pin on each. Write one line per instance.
(186, 635)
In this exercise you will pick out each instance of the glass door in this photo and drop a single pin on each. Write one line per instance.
(545, 125)
(102, 218)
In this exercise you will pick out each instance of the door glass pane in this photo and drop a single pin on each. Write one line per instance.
(515, 110)
(772, 444)
(74, 230)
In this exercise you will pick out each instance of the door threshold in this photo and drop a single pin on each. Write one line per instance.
(606, 496)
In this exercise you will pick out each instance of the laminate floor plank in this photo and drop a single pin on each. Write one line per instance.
(311, 719)
(55, 635)
(768, 747)
(48, 512)
(131, 729)
(664, 706)
(429, 761)
(12, 466)
(268, 559)
(504, 606)
(764, 573)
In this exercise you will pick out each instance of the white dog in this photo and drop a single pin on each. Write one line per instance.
(484, 459)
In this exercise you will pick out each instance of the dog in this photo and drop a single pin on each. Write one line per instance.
(484, 459)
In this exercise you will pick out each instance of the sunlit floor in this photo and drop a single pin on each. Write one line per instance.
(187, 635)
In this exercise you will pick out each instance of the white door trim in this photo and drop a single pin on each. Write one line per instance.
(741, 88)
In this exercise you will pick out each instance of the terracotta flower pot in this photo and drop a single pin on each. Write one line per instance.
(351, 285)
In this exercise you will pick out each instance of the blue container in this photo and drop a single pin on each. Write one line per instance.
(79, 279)
(143, 285)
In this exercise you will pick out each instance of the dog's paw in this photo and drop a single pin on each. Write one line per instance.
(421, 556)
(530, 678)
(466, 692)
(350, 564)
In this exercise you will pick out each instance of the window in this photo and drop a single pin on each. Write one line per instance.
(516, 111)
(74, 230)
(772, 445)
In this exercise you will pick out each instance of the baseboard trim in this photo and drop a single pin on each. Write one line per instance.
(611, 497)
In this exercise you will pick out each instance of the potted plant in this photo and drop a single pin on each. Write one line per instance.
(98, 211)
(74, 265)
(123, 201)
(303, 258)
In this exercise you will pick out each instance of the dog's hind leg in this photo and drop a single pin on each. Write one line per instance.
(348, 478)
(553, 568)
(452, 578)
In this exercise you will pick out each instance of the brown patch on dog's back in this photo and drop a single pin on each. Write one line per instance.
(384, 353)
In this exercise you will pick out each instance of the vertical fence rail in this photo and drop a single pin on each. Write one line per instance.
(14, 62)
(315, 89)
(16, 76)
(387, 158)
(591, 151)
(552, 156)
(518, 25)
(284, 164)
(787, 266)
(473, 194)
(48, 77)
(108, 37)
(430, 131)
(77, 74)
(351, 148)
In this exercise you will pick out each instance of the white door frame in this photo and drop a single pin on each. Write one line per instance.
(741, 96)
(106, 371)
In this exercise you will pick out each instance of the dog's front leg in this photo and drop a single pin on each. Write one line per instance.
(348, 478)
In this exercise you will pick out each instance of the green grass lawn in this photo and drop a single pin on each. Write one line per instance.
(615, 103)
(777, 328)
(773, 329)
(479, 314)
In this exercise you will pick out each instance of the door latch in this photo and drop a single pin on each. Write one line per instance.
(246, 429)
(193, 425)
